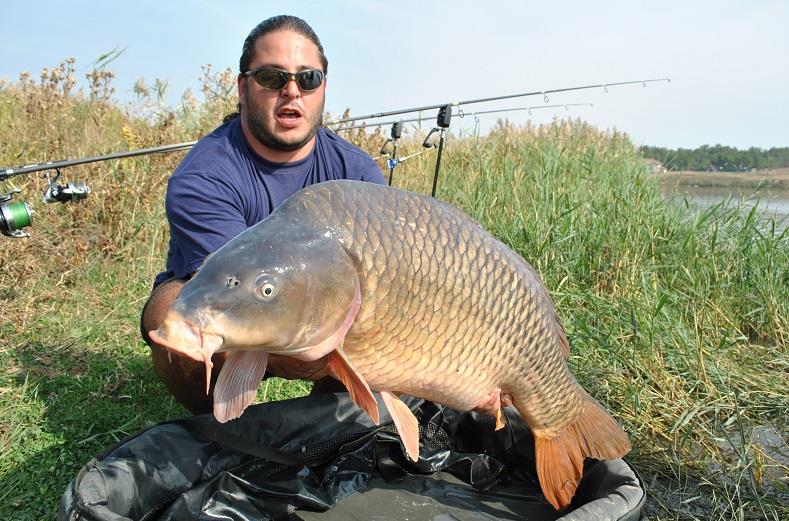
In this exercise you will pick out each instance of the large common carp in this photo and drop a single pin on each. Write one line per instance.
(398, 293)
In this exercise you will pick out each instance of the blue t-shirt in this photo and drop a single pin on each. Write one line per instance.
(222, 187)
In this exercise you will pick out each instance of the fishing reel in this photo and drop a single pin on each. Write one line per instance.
(69, 192)
(14, 215)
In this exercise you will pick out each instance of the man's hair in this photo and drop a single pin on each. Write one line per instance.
(279, 23)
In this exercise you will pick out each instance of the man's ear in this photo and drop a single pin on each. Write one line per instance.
(242, 88)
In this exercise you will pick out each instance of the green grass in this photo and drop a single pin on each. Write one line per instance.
(677, 320)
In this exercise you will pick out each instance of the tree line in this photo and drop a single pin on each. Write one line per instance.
(719, 158)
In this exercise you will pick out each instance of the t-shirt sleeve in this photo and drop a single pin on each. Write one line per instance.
(372, 172)
(204, 213)
(344, 160)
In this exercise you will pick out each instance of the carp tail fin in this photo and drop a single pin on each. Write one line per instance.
(560, 456)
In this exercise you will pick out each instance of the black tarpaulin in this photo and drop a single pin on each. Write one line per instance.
(321, 458)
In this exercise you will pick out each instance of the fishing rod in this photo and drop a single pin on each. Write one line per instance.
(393, 160)
(443, 120)
(462, 114)
(396, 132)
(445, 109)
(7, 173)
(476, 114)
(14, 216)
(544, 93)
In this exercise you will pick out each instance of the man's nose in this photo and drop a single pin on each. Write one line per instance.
(291, 89)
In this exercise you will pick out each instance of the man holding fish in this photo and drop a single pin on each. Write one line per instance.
(382, 289)
(234, 177)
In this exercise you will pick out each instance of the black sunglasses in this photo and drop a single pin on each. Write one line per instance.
(275, 79)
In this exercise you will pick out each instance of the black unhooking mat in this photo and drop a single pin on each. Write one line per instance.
(321, 458)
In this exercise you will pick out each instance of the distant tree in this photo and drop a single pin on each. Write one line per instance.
(718, 158)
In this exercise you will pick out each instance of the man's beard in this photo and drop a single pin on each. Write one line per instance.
(256, 120)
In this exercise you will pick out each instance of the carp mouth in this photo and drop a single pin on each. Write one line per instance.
(190, 340)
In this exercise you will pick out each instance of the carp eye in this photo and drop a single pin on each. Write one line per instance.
(266, 289)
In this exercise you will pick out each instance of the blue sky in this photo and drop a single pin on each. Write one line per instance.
(727, 59)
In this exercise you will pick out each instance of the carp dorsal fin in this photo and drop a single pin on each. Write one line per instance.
(405, 422)
(238, 383)
(360, 392)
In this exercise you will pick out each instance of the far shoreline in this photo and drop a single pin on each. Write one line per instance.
(774, 179)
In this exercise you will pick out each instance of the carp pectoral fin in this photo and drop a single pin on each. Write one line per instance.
(357, 386)
(560, 456)
(238, 383)
(405, 422)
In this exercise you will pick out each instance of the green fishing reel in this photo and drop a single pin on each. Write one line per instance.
(14, 216)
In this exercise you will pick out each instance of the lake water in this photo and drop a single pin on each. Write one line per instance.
(773, 203)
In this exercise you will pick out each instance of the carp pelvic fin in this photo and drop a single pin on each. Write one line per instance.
(238, 383)
(405, 422)
(492, 405)
(357, 386)
(560, 458)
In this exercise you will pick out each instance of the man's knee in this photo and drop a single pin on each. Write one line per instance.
(156, 307)
(183, 377)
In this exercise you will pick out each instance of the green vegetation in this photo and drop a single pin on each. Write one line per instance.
(719, 158)
(677, 322)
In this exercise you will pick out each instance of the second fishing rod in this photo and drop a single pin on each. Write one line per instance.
(445, 113)
(443, 118)
(544, 93)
